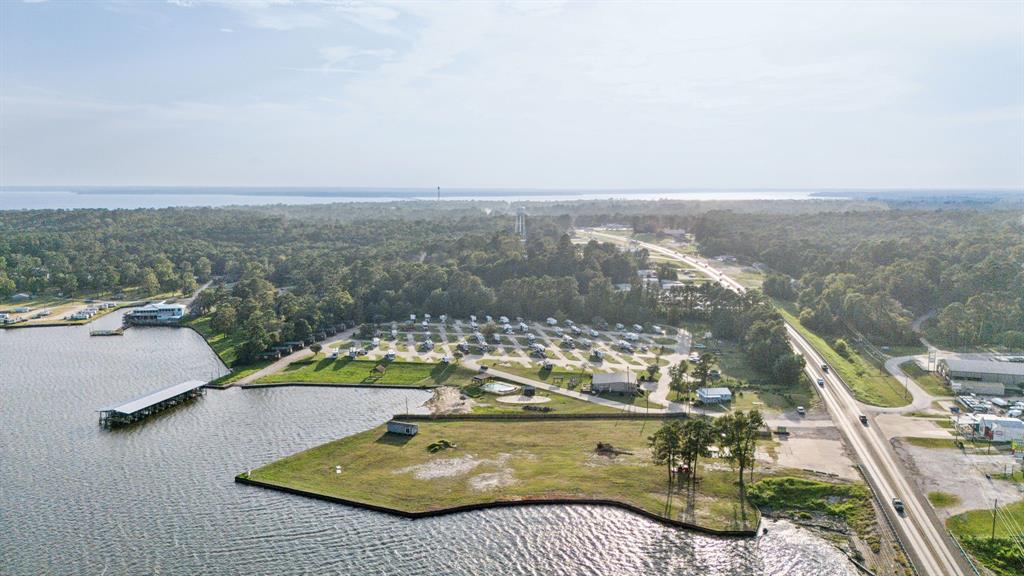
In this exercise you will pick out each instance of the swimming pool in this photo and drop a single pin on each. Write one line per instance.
(499, 387)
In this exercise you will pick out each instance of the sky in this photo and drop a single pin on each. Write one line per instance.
(605, 95)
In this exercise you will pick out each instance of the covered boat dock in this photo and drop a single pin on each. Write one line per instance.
(140, 408)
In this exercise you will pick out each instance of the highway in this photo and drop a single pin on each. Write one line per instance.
(925, 539)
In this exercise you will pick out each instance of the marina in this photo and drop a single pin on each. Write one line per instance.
(142, 407)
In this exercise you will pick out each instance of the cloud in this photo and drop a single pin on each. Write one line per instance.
(338, 54)
(334, 56)
(226, 30)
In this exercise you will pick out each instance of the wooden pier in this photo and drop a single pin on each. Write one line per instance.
(151, 403)
(116, 332)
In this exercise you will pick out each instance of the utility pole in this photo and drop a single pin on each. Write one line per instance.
(995, 504)
(439, 193)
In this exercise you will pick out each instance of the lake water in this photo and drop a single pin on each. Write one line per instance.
(159, 497)
(34, 198)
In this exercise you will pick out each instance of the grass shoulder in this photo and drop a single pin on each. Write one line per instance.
(929, 381)
(805, 499)
(1001, 554)
(868, 382)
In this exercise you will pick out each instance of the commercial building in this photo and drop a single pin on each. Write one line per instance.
(969, 373)
(714, 395)
(620, 382)
(1000, 428)
(157, 313)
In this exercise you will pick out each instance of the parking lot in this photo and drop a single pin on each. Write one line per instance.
(530, 345)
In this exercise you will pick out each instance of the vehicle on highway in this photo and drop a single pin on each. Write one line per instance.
(824, 368)
(821, 382)
(897, 505)
(863, 419)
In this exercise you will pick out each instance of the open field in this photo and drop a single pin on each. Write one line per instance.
(509, 460)
(323, 370)
(869, 383)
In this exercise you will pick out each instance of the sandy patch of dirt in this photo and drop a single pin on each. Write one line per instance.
(952, 471)
(894, 425)
(819, 454)
(492, 480)
(460, 466)
(449, 400)
(521, 399)
(442, 468)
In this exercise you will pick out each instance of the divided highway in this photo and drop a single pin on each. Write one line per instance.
(925, 539)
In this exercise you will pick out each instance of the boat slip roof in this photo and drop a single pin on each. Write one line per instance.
(133, 406)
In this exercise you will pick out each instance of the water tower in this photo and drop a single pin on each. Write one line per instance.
(521, 221)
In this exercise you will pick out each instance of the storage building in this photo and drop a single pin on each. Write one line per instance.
(620, 382)
(403, 428)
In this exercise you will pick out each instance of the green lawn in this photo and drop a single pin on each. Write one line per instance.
(974, 529)
(508, 460)
(639, 400)
(750, 386)
(931, 382)
(239, 373)
(869, 383)
(487, 404)
(560, 378)
(324, 370)
(225, 345)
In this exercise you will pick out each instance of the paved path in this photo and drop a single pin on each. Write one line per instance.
(280, 364)
(922, 399)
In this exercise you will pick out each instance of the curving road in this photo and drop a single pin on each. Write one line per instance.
(925, 539)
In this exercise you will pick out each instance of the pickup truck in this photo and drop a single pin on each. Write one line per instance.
(897, 505)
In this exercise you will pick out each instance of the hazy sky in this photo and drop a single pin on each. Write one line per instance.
(559, 95)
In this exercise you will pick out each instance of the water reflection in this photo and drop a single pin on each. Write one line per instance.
(160, 498)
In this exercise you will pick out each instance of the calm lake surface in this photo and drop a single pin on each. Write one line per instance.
(38, 198)
(159, 497)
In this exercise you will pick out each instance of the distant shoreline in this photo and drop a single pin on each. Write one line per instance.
(142, 197)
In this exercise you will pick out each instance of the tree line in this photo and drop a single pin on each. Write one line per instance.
(874, 272)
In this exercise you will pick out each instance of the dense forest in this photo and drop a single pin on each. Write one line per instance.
(279, 276)
(875, 272)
